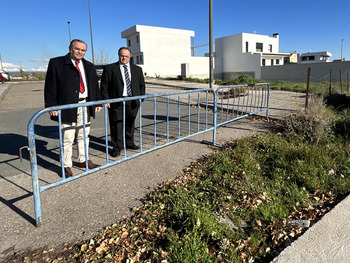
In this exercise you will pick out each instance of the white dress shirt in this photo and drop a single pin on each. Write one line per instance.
(121, 66)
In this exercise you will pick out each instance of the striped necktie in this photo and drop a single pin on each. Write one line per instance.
(127, 80)
(82, 88)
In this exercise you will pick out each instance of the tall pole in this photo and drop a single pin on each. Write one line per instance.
(341, 51)
(70, 39)
(92, 44)
(211, 70)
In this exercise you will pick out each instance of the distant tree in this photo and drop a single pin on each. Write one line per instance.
(23, 75)
(103, 57)
(39, 75)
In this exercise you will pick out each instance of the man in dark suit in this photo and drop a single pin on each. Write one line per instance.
(122, 79)
(71, 79)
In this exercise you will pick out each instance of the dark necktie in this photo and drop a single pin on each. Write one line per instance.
(127, 80)
(82, 88)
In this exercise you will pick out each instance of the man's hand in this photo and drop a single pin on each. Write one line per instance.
(98, 109)
(53, 113)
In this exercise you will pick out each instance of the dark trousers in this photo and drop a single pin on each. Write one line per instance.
(115, 114)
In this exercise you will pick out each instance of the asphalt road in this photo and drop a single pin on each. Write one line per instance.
(24, 99)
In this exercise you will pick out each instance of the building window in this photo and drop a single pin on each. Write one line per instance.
(277, 61)
(137, 60)
(259, 47)
(308, 58)
(141, 59)
(271, 62)
(270, 48)
(137, 39)
(264, 62)
(246, 46)
(129, 43)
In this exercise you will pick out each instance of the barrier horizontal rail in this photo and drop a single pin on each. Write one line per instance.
(179, 100)
(186, 114)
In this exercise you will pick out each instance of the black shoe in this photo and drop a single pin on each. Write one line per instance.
(115, 152)
(132, 147)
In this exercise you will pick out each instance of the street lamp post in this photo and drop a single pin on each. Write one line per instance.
(92, 45)
(211, 70)
(70, 39)
(341, 50)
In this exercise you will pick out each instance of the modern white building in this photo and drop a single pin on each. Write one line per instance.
(245, 54)
(165, 52)
(314, 57)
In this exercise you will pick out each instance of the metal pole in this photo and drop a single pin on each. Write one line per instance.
(92, 45)
(307, 88)
(211, 71)
(341, 51)
(70, 39)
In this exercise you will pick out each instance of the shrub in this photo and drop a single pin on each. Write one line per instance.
(313, 123)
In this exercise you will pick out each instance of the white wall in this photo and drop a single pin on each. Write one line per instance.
(233, 59)
(163, 49)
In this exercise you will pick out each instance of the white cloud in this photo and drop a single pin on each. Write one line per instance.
(14, 68)
(41, 60)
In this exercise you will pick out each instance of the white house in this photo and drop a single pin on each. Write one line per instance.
(244, 54)
(164, 52)
(314, 57)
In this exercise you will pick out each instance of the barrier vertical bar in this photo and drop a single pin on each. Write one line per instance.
(167, 119)
(140, 121)
(106, 131)
(189, 113)
(215, 116)
(35, 177)
(155, 120)
(84, 134)
(61, 143)
(198, 111)
(267, 101)
(179, 117)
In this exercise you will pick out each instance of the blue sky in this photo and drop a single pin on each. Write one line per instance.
(34, 31)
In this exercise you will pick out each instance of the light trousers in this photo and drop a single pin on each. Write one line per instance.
(73, 130)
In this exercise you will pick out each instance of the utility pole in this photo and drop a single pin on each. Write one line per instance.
(211, 59)
(92, 44)
(341, 50)
(70, 39)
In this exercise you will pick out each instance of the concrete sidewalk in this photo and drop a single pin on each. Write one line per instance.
(80, 209)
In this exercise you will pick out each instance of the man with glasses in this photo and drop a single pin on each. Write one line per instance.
(122, 79)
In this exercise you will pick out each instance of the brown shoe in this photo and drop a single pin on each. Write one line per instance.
(91, 165)
(68, 172)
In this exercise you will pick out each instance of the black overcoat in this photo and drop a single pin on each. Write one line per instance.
(112, 86)
(62, 86)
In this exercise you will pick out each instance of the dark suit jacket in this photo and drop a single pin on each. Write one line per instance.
(62, 85)
(112, 84)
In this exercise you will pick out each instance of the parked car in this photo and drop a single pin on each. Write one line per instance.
(6, 76)
(99, 70)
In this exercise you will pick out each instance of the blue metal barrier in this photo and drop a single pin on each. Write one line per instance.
(153, 131)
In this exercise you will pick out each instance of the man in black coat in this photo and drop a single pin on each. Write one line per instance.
(71, 79)
(122, 79)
